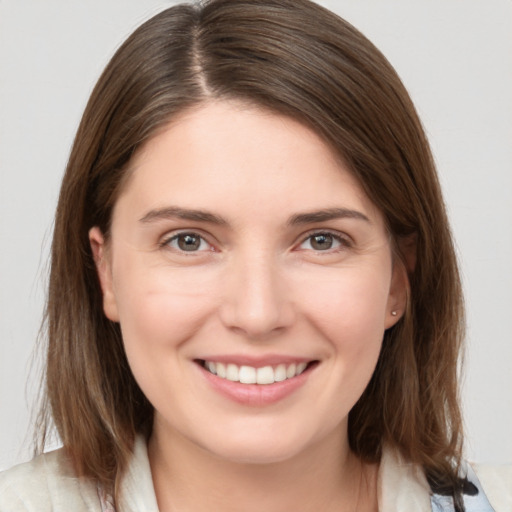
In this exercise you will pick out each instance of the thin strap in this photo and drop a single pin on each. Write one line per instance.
(473, 496)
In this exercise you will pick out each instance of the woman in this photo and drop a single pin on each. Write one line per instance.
(254, 299)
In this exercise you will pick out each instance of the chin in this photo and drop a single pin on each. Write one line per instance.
(260, 447)
(262, 454)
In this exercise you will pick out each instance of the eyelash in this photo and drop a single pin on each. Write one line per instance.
(343, 241)
(175, 237)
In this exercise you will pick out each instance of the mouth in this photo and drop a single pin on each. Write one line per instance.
(264, 375)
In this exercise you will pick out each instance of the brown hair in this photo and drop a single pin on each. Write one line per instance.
(295, 58)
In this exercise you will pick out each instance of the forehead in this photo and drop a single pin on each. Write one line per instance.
(238, 158)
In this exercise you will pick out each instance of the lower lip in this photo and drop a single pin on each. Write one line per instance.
(257, 395)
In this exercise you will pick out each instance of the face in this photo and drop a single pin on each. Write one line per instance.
(253, 281)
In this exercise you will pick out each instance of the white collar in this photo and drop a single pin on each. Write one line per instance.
(137, 491)
(402, 486)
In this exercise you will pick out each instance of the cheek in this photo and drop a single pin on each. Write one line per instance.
(160, 308)
(350, 307)
(349, 312)
(159, 312)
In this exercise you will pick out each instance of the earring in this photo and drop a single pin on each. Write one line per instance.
(394, 313)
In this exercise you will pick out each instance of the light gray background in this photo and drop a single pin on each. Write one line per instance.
(455, 59)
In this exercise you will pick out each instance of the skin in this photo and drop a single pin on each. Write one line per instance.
(256, 285)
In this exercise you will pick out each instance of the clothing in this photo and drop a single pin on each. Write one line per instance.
(47, 484)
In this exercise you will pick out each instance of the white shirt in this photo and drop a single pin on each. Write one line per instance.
(48, 484)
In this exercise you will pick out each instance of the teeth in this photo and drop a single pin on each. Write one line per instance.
(250, 375)
(290, 371)
(247, 375)
(212, 367)
(301, 367)
(280, 373)
(221, 370)
(232, 372)
(265, 375)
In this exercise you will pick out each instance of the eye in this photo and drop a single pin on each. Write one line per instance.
(323, 242)
(188, 242)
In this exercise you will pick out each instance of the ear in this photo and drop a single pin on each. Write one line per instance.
(398, 294)
(104, 268)
(404, 262)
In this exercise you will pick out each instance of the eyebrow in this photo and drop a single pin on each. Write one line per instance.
(174, 212)
(325, 215)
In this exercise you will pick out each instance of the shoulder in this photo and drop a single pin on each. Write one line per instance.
(46, 484)
(496, 482)
(403, 487)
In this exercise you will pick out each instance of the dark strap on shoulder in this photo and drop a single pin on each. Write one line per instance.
(473, 495)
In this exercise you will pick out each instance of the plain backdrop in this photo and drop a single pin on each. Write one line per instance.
(454, 57)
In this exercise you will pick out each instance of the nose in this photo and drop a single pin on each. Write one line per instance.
(256, 302)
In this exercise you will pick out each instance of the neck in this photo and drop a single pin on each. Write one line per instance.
(326, 476)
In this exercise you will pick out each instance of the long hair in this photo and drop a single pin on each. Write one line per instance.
(295, 58)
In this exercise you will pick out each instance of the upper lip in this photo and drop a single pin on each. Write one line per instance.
(256, 361)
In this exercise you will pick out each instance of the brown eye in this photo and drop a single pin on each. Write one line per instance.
(322, 241)
(188, 242)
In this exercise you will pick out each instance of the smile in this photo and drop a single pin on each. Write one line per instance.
(251, 375)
